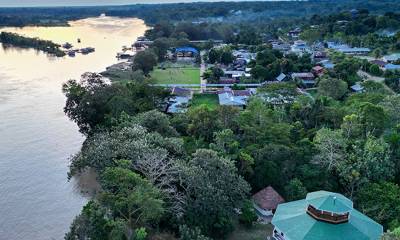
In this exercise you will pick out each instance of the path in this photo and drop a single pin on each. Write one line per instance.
(203, 81)
(366, 76)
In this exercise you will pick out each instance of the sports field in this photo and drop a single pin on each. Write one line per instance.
(176, 75)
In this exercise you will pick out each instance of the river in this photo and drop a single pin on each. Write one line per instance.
(36, 138)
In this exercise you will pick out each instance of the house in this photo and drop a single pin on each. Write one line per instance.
(226, 80)
(307, 78)
(319, 56)
(392, 67)
(346, 49)
(266, 201)
(318, 71)
(179, 101)
(299, 47)
(380, 63)
(327, 64)
(323, 215)
(231, 97)
(391, 58)
(357, 88)
(281, 77)
(188, 52)
(235, 74)
(295, 33)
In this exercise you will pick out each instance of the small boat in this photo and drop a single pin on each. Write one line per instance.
(71, 53)
(87, 50)
(124, 55)
(67, 45)
(79, 40)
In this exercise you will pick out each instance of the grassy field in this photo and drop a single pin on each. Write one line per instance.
(211, 100)
(176, 76)
(257, 232)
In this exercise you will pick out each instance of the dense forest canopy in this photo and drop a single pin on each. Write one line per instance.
(215, 11)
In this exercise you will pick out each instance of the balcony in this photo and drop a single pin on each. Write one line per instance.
(325, 216)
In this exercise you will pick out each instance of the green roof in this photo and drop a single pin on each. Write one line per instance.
(331, 202)
(292, 219)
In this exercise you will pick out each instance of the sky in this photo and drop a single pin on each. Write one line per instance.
(30, 3)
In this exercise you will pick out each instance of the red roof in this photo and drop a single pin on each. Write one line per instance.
(268, 198)
(318, 68)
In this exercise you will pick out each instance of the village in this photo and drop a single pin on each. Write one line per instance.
(194, 77)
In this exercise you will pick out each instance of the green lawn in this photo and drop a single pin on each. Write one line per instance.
(257, 232)
(211, 100)
(176, 76)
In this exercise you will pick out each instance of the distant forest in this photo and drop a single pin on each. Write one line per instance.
(221, 11)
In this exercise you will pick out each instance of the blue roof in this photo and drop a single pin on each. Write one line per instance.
(392, 67)
(187, 49)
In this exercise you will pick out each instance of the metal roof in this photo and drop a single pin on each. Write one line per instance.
(292, 219)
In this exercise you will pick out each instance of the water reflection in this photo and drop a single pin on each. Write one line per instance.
(36, 139)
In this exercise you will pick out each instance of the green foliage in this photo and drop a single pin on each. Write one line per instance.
(248, 215)
(92, 103)
(25, 42)
(214, 191)
(380, 201)
(332, 87)
(140, 234)
(145, 61)
(295, 190)
(191, 234)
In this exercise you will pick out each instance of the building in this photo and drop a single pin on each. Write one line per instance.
(281, 77)
(392, 67)
(357, 88)
(231, 97)
(391, 58)
(307, 78)
(318, 71)
(323, 216)
(179, 101)
(295, 33)
(380, 63)
(300, 47)
(188, 52)
(266, 201)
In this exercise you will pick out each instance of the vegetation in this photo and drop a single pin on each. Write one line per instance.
(176, 75)
(25, 42)
(191, 175)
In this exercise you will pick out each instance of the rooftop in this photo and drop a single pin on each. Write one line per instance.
(268, 198)
(294, 221)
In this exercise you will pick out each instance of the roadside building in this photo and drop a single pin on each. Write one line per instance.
(318, 71)
(323, 216)
(266, 201)
(281, 77)
(306, 78)
(179, 101)
(391, 58)
(380, 63)
(391, 67)
(186, 52)
(237, 98)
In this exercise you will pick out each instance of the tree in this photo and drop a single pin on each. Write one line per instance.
(145, 61)
(191, 234)
(227, 57)
(380, 201)
(248, 215)
(332, 87)
(331, 148)
(295, 190)
(214, 190)
(375, 70)
(160, 47)
(203, 122)
(90, 224)
(391, 105)
(214, 56)
(130, 197)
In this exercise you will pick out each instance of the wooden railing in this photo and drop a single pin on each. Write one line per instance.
(327, 216)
